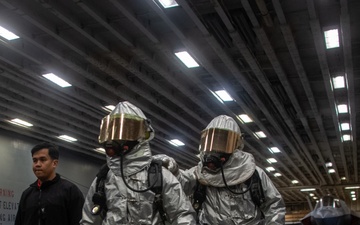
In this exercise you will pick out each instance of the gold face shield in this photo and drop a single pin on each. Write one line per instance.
(219, 140)
(122, 127)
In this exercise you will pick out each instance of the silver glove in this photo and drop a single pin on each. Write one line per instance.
(168, 162)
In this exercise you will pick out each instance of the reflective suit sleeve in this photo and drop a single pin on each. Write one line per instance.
(187, 179)
(176, 204)
(87, 217)
(274, 207)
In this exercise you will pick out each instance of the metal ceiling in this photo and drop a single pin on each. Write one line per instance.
(270, 56)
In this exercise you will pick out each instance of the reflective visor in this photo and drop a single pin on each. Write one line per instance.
(219, 140)
(122, 127)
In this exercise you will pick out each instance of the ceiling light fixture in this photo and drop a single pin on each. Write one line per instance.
(269, 169)
(332, 38)
(8, 35)
(346, 137)
(57, 80)
(108, 108)
(224, 95)
(294, 181)
(328, 164)
(101, 150)
(168, 3)
(345, 126)
(311, 195)
(331, 171)
(338, 82)
(343, 178)
(67, 138)
(176, 142)
(271, 160)
(274, 150)
(277, 174)
(186, 58)
(352, 187)
(342, 108)
(245, 118)
(260, 134)
(308, 189)
(20, 122)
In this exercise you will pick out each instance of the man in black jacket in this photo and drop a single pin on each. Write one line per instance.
(50, 200)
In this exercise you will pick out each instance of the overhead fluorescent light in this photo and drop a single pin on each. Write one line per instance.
(338, 82)
(67, 138)
(7, 34)
(342, 108)
(168, 3)
(100, 150)
(294, 181)
(353, 196)
(270, 168)
(331, 171)
(108, 108)
(223, 95)
(332, 38)
(245, 118)
(308, 189)
(345, 126)
(274, 150)
(352, 192)
(260, 134)
(277, 174)
(354, 199)
(57, 80)
(352, 187)
(176, 142)
(20, 122)
(346, 137)
(311, 194)
(328, 164)
(315, 197)
(343, 178)
(271, 160)
(186, 58)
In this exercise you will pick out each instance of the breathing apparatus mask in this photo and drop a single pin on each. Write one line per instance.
(216, 146)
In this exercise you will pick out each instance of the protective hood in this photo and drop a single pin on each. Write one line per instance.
(127, 123)
(224, 122)
(139, 157)
(239, 167)
(222, 135)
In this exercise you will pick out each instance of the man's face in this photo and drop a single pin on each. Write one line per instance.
(43, 165)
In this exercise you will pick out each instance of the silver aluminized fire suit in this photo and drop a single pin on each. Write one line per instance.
(223, 207)
(125, 206)
(128, 207)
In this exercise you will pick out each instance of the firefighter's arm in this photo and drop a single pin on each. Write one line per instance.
(87, 217)
(274, 207)
(176, 204)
